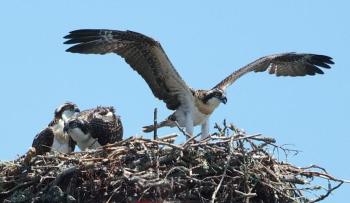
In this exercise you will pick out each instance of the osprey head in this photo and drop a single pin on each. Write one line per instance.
(75, 123)
(78, 130)
(215, 94)
(66, 111)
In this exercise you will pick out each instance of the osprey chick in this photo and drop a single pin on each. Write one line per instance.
(52, 138)
(94, 128)
(192, 107)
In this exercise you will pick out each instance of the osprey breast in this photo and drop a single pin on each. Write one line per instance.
(207, 108)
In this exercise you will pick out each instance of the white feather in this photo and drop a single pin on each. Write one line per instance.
(68, 114)
(205, 129)
(110, 114)
(190, 117)
(61, 140)
(60, 147)
(84, 141)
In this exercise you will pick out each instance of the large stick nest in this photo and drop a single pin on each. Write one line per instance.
(230, 166)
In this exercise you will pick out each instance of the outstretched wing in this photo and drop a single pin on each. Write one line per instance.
(286, 64)
(43, 141)
(142, 53)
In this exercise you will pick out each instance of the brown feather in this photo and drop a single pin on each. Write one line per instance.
(286, 64)
(142, 53)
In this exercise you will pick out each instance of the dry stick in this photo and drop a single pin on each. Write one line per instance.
(113, 193)
(302, 171)
(187, 143)
(322, 175)
(116, 144)
(168, 137)
(163, 143)
(224, 140)
(322, 197)
(224, 174)
(241, 137)
(155, 124)
(220, 183)
(246, 195)
(278, 191)
(182, 130)
(155, 137)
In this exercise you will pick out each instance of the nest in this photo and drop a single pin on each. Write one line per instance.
(230, 166)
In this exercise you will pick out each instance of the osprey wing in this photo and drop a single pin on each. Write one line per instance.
(286, 64)
(143, 54)
(43, 141)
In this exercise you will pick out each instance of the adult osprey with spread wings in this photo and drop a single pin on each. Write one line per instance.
(192, 107)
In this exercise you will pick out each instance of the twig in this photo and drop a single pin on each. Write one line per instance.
(168, 138)
(182, 130)
(187, 143)
(329, 191)
(213, 197)
(164, 143)
(155, 136)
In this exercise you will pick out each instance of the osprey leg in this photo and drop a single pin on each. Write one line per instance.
(205, 129)
(189, 123)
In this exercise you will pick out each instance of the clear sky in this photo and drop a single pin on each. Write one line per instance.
(205, 41)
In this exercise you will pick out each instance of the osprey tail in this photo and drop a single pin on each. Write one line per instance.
(151, 128)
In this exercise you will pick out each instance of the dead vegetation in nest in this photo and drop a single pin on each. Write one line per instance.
(230, 166)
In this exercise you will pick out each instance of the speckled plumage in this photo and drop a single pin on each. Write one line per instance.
(52, 138)
(99, 124)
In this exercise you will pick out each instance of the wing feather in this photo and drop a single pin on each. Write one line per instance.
(106, 128)
(43, 141)
(286, 64)
(142, 53)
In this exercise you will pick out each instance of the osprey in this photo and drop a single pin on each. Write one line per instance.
(94, 128)
(192, 107)
(52, 138)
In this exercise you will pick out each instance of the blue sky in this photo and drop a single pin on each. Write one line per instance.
(206, 42)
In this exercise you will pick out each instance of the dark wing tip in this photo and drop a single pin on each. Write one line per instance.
(82, 32)
(88, 47)
(316, 61)
(79, 48)
(324, 58)
(83, 35)
(73, 49)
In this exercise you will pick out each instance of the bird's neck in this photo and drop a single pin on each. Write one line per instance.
(60, 136)
(208, 107)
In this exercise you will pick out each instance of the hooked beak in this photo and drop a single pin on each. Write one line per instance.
(223, 99)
